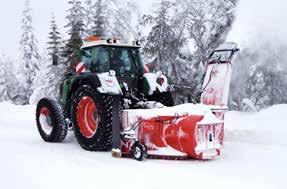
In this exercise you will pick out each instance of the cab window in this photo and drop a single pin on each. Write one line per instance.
(121, 61)
(96, 59)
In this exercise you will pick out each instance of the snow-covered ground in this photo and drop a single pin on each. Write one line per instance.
(255, 156)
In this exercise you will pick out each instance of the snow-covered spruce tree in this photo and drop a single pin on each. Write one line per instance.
(110, 18)
(54, 42)
(9, 84)
(75, 31)
(4, 82)
(47, 81)
(124, 16)
(261, 77)
(89, 13)
(102, 18)
(208, 24)
(6, 77)
(162, 40)
(29, 54)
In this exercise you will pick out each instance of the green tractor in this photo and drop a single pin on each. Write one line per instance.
(110, 77)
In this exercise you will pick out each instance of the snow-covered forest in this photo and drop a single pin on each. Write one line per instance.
(177, 36)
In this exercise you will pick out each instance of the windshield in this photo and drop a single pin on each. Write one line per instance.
(123, 60)
(222, 55)
(96, 59)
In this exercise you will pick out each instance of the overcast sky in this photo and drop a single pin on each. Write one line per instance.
(11, 14)
(259, 20)
(255, 18)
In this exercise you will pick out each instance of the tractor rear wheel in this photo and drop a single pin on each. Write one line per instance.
(92, 119)
(165, 98)
(50, 120)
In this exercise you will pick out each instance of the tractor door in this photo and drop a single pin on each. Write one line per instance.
(128, 67)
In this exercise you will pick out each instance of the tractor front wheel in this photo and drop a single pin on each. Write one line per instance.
(50, 121)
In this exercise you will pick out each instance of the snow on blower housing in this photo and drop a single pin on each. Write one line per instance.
(112, 103)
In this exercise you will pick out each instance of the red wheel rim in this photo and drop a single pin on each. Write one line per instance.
(87, 117)
(45, 120)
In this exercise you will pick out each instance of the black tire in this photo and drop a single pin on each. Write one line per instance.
(139, 151)
(50, 120)
(102, 138)
(165, 98)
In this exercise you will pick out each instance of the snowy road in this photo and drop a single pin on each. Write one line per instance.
(255, 156)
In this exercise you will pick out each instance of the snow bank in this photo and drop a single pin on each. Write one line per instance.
(266, 127)
(13, 114)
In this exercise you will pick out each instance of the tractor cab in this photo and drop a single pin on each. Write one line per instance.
(121, 58)
(101, 55)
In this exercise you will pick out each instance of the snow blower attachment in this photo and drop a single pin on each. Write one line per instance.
(188, 130)
(110, 101)
(181, 131)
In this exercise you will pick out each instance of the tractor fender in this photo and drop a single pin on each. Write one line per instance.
(104, 83)
(155, 82)
(109, 83)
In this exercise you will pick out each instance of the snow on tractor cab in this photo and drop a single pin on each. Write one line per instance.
(112, 103)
